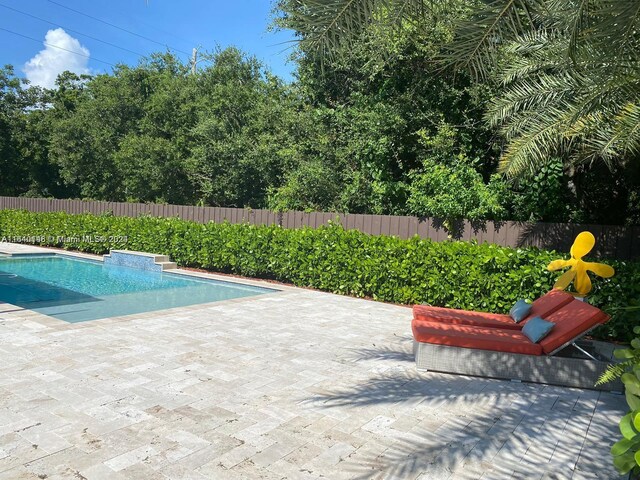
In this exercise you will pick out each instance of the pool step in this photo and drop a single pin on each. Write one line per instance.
(164, 261)
(167, 265)
(141, 260)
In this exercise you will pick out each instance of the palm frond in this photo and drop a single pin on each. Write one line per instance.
(480, 36)
(609, 137)
(328, 27)
(627, 129)
(630, 22)
(571, 67)
(580, 19)
(592, 100)
(621, 17)
(535, 145)
(615, 371)
(531, 97)
(533, 52)
(596, 141)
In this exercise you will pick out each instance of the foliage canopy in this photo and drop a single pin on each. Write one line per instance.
(373, 122)
(565, 72)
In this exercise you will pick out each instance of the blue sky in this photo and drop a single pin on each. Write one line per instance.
(179, 25)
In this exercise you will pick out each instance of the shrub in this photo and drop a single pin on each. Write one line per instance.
(626, 451)
(451, 274)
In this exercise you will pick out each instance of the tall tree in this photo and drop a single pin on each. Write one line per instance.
(11, 168)
(122, 136)
(241, 134)
(570, 73)
(384, 101)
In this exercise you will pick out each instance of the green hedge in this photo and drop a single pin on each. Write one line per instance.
(452, 274)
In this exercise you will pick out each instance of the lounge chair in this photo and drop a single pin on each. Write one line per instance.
(491, 345)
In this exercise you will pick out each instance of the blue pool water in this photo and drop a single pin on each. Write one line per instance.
(76, 290)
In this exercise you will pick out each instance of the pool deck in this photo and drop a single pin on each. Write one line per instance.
(293, 385)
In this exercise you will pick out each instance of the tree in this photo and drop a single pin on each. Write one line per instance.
(451, 188)
(126, 136)
(24, 128)
(241, 135)
(152, 132)
(569, 69)
(10, 166)
(377, 101)
(89, 117)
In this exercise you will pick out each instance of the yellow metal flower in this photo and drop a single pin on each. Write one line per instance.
(577, 274)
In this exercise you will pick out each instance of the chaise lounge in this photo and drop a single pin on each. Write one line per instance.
(493, 345)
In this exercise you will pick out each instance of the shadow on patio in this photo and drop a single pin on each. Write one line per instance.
(382, 352)
(450, 426)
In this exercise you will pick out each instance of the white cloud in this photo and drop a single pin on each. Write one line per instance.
(49, 63)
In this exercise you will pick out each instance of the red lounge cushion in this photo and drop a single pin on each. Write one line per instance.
(542, 307)
(571, 321)
(549, 303)
(483, 338)
(425, 313)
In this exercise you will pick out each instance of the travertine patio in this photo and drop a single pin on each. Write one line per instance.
(296, 384)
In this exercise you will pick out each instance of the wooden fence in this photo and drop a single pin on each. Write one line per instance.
(612, 241)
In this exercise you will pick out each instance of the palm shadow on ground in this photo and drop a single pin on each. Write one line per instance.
(467, 425)
(381, 352)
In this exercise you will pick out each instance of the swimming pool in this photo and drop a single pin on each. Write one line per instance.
(76, 289)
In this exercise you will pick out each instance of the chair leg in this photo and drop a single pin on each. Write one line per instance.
(584, 351)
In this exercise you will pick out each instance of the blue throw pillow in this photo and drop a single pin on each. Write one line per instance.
(520, 311)
(537, 328)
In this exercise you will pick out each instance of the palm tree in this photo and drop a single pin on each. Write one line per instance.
(569, 70)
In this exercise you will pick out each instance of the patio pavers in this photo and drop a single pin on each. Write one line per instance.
(298, 384)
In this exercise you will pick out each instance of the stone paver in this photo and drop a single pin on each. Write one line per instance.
(297, 384)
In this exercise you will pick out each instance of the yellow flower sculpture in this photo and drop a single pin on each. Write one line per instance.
(577, 274)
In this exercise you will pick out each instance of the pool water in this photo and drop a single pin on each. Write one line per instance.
(77, 290)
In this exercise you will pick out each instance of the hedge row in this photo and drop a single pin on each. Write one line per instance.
(452, 274)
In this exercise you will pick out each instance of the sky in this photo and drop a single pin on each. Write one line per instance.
(42, 38)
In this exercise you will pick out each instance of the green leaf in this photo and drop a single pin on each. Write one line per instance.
(621, 447)
(636, 420)
(631, 382)
(623, 353)
(632, 400)
(624, 463)
(626, 427)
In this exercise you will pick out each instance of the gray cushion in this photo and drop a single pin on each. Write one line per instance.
(537, 328)
(520, 311)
